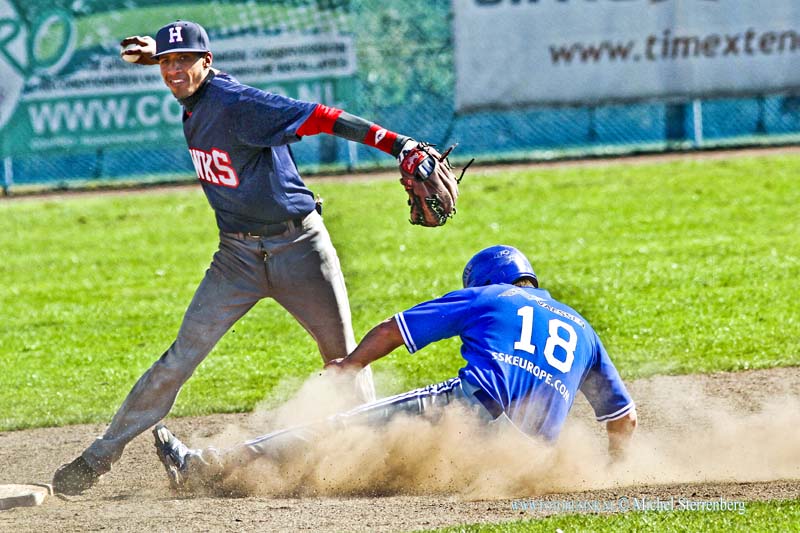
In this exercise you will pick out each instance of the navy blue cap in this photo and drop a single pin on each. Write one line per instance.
(181, 36)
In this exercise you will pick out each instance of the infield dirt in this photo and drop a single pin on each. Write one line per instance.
(734, 436)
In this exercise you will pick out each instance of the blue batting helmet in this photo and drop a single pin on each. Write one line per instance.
(497, 264)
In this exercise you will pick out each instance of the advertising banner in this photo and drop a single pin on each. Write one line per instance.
(511, 53)
(63, 86)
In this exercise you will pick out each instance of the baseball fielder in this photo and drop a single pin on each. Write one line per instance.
(527, 357)
(272, 242)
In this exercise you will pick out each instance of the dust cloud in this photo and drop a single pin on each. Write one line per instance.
(686, 434)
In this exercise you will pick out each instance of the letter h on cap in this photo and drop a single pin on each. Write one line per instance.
(175, 34)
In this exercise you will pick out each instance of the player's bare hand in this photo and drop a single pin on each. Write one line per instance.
(138, 49)
(343, 364)
(620, 432)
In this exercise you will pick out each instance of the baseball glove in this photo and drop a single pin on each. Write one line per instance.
(430, 183)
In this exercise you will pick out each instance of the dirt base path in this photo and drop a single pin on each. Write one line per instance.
(725, 436)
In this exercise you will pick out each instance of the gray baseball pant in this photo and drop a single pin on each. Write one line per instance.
(278, 446)
(298, 268)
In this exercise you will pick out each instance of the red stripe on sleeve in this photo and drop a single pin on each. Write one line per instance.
(321, 120)
(380, 138)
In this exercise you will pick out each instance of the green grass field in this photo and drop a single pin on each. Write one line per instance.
(757, 516)
(682, 267)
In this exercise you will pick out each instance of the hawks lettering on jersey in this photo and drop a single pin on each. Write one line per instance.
(214, 167)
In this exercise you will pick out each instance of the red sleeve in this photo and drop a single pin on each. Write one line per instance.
(321, 120)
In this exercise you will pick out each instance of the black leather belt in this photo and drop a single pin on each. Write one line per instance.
(269, 230)
(491, 405)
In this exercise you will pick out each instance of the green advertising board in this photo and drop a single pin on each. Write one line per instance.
(71, 110)
(64, 88)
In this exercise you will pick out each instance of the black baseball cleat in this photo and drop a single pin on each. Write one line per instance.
(74, 478)
(172, 454)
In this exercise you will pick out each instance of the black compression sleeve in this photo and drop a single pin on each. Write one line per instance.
(359, 130)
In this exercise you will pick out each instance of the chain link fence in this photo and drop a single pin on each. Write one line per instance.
(84, 117)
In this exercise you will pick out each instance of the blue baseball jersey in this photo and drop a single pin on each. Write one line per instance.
(527, 351)
(238, 138)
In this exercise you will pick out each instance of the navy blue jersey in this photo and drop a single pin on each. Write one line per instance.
(529, 352)
(238, 138)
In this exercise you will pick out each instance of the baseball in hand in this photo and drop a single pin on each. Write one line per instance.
(130, 58)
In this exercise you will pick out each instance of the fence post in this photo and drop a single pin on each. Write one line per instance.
(675, 123)
(591, 134)
(98, 163)
(697, 122)
(8, 175)
(761, 121)
(352, 155)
